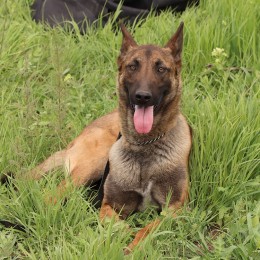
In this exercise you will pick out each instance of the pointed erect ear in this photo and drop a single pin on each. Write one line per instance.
(175, 43)
(128, 40)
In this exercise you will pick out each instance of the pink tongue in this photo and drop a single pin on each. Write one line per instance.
(143, 119)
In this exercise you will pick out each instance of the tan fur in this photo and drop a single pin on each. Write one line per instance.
(86, 156)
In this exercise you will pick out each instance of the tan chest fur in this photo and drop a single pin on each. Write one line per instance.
(138, 169)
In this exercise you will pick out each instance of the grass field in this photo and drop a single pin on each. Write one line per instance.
(53, 83)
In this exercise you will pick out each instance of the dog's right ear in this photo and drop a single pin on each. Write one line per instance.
(175, 44)
(128, 40)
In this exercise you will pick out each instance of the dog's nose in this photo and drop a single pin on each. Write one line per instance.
(142, 97)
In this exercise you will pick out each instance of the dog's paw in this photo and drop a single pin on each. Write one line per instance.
(127, 251)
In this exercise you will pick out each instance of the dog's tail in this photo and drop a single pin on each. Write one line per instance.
(54, 161)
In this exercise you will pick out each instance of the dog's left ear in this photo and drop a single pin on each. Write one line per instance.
(175, 44)
(128, 40)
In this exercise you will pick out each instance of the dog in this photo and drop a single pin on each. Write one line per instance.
(149, 163)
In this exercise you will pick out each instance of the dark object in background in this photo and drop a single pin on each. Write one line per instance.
(84, 12)
(55, 12)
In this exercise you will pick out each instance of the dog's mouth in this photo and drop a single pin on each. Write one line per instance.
(143, 115)
(143, 118)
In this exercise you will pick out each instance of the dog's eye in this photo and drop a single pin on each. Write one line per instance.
(132, 67)
(161, 69)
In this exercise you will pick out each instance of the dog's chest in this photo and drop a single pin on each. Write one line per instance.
(138, 178)
(137, 170)
(132, 171)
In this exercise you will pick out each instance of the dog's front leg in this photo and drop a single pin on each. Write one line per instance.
(141, 234)
(144, 232)
(106, 211)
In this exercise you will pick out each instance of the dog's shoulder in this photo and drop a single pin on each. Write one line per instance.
(182, 133)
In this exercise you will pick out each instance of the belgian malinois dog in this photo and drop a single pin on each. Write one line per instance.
(150, 160)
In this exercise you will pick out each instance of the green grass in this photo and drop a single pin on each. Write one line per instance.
(53, 83)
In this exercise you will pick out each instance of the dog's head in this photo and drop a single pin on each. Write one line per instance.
(149, 78)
